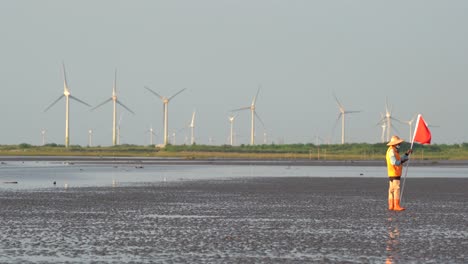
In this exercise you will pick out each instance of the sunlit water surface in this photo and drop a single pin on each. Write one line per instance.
(44, 174)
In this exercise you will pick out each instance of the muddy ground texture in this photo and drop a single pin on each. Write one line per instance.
(254, 220)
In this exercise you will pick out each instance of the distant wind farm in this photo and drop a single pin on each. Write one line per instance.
(385, 122)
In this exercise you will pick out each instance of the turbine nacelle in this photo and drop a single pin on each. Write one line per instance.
(66, 92)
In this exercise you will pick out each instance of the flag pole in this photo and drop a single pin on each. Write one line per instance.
(407, 163)
(404, 177)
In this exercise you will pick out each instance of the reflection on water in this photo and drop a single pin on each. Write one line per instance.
(44, 174)
(393, 241)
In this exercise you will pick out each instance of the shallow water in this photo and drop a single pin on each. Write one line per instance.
(43, 174)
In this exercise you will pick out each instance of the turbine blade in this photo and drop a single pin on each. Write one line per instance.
(399, 121)
(78, 100)
(114, 88)
(339, 115)
(53, 103)
(339, 104)
(382, 121)
(193, 119)
(239, 109)
(103, 103)
(350, 112)
(121, 104)
(65, 82)
(176, 94)
(155, 93)
(394, 128)
(335, 125)
(259, 119)
(255, 98)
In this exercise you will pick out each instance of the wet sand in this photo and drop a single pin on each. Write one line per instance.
(249, 220)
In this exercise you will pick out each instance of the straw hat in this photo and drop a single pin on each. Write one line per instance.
(395, 141)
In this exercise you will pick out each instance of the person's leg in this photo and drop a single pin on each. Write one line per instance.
(390, 195)
(396, 205)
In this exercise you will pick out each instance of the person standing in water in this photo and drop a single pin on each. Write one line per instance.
(395, 168)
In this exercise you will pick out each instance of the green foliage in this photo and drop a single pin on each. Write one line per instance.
(24, 146)
(335, 151)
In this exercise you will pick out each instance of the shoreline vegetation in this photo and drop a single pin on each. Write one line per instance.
(332, 152)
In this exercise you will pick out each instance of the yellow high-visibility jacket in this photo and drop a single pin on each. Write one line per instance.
(394, 167)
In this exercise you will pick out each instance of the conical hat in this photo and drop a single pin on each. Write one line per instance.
(395, 141)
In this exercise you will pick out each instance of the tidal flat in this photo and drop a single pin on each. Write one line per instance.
(243, 220)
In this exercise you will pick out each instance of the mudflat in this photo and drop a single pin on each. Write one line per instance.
(248, 220)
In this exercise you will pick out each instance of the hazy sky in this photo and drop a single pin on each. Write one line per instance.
(415, 53)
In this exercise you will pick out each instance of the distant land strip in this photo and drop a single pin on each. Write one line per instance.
(219, 161)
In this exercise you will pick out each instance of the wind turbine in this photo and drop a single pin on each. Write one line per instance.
(253, 115)
(90, 138)
(165, 101)
(174, 134)
(151, 132)
(342, 115)
(231, 121)
(43, 133)
(382, 137)
(68, 96)
(192, 126)
(387, 119)
(115, 101)
(410, 124)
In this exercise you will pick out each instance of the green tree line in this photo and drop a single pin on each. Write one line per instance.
(329, 151)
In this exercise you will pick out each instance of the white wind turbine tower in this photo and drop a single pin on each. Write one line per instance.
(115, 101)
(68, 96)
(231, 136)
(410, 124)
(118, 129)
(43, 133)
(253, 115)
(382, 137)
(192, 126)
(152, 134)
(342, 115)
(173, 137)
(90, 138)
(387, 119)
(165, 101)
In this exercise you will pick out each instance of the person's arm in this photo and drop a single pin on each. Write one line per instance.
(393, 159)
(405, 157)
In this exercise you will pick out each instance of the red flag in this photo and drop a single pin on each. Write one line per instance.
(422, 135)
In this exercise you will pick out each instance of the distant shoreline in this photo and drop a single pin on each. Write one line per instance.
(221, 161)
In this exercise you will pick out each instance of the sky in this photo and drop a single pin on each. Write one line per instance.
(411, 54)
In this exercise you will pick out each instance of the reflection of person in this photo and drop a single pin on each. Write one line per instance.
(393, 242)
(395, 167)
